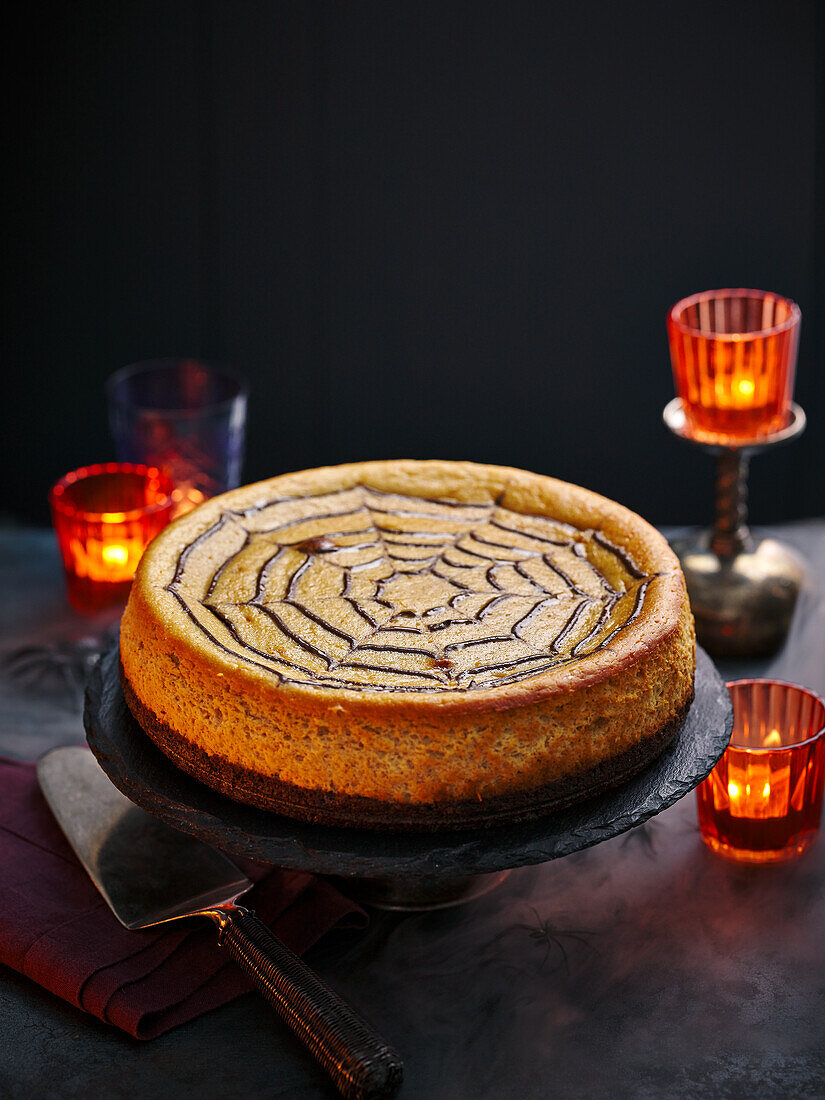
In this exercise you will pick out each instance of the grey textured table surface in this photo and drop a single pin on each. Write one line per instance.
(642, 968)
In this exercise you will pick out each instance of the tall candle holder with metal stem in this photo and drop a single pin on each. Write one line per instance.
(742, 590)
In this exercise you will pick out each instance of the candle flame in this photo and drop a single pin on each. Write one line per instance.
(115, 553)
(773, 740)
(746, 387)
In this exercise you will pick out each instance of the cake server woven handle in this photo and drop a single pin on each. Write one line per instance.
(358, 1060)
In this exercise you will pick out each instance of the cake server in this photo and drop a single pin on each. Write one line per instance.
(150, 874)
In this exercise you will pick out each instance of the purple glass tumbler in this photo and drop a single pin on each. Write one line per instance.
(184, 416)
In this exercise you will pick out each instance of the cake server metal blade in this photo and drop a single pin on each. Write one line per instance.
(150, 873)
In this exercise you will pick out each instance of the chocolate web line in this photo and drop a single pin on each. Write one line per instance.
(387, 535)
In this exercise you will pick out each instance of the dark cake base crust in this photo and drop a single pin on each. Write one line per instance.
(358, 812)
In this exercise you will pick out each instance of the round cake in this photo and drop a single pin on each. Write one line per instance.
(409, 644)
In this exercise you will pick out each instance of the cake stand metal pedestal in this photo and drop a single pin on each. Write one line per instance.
(742, 590)
(419, 893)
(400, 870)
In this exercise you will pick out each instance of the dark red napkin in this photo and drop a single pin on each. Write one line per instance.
(56, 928)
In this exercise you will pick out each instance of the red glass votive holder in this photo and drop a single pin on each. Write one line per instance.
(734, 358)
(763, 801)
(104, 517)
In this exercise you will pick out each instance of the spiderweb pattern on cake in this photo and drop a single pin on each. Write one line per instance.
(363, 589)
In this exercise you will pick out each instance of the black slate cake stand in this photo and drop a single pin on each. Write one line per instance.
(395, 870)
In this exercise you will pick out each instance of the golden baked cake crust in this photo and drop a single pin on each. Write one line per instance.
(408, 644)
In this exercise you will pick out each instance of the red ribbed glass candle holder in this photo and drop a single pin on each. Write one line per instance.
(734, 357)
(104, 517)
(762, 802)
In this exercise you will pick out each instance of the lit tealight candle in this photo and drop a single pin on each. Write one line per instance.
(104, 516)
(755, 789)
(105, 560)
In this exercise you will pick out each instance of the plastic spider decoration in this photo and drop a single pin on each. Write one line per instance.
(61, 667)
(549, 939)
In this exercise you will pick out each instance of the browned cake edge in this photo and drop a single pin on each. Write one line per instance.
(318, 807)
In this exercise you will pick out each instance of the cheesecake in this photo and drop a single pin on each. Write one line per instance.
(409, 645)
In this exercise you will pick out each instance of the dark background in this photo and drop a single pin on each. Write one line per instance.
(420, 229)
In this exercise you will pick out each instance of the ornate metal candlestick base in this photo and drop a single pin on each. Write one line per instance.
(742, 591)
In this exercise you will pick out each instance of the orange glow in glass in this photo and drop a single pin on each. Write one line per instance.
(185, 497)
(762, 802)
(734, 358)
(104, 517)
